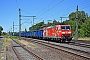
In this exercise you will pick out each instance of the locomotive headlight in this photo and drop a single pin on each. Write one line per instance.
(69, 32)
(59, 31)
(63, 32)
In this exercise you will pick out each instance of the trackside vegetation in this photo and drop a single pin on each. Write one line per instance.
(1, 29)
(14, 37)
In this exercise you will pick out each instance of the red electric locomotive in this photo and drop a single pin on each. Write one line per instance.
(61, 32)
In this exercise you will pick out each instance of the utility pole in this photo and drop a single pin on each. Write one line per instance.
(63, 17)
(13, 28)
(19, 23)
(76, 23)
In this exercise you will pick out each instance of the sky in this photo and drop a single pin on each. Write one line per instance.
(42, 9)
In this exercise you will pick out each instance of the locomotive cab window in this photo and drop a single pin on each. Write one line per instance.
(65, 27)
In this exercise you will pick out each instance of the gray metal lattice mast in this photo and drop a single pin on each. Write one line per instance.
(76, 23)
(19, 23)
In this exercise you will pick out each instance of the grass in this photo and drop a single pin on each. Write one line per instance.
(6, 42)
(85, 38)
(28, 44)
(6, 36)
(15, 37)
(9, 56)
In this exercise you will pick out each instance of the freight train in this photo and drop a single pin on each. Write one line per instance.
(60, 32)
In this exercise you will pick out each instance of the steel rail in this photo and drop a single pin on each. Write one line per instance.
(17, 54)
(79, 44)
(39, 58)
(49, 45)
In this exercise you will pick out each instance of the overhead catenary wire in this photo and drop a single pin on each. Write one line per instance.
(25, 25)
(25, 12)
(46, 7)
(67, 9)
(51, 8)
(85, 7)
(40, 11)
(19, 7)
(70, 8)
(24, 22)
(83, 3)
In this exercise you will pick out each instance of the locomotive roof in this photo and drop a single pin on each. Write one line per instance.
(55, 25)
(50, 26)
(62, 24)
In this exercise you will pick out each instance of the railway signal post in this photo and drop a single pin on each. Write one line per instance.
(76, 23)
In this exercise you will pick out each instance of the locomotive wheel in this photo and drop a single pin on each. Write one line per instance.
(59, 40)
(63, 41)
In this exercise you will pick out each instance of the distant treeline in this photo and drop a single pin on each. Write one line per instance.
(83, 24)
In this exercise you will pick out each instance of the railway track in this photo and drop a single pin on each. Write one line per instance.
(80, 44)
(23, 53)
(63, 47)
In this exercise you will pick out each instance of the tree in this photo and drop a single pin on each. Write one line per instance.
(37, 26)
(72, 16)
(81, 16)
(1, 29)
(83, 23)
(4, 33)
(87, 27)
(55, 22)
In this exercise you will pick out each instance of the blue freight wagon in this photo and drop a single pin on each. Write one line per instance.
(40, 34)
(23, 34)
(34, 34)
(15, 34)
(28, 34)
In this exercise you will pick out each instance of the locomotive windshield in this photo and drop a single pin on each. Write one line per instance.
(65, 27)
